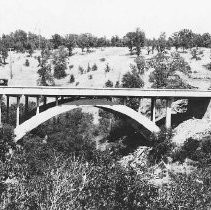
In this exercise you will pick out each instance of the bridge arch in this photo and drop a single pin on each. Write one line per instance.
(137, 120)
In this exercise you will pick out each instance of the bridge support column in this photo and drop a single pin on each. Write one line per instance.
(168, 112)
(18, 111)
(153, 110)
(124, 101)
(44, 100)
(57, 102)
(38, 105)
(0, 111)
(8, 106)
(26, 105)
(140, 102)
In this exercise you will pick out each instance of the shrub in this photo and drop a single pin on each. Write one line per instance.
(81, 70)
(71, 66)
(6, 141)
(94, 67)
(27, 63)
(59, 71)
(108, 68)
(90, 76)
(161, 146)
(109, 83)
(72, 78)
(88, 68)
(117, 85)
(195, 54)
(102, 59)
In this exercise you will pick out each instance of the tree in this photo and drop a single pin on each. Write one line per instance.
(3, 51)
(165, 71)
(59, 61)
(57, 41)
(20, 40)
(162, 42)
(132, 80)
(30, 48)
(135, 41)
(70, 42)
(82, 41)
(129, 40)
(116, 41)
(175, 40)
(45, 75)
(140, 65)
(185, 37)
(102, 42)
(206, 40)
(196, 40)
(139, 40)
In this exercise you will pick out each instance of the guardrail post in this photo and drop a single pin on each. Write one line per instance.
(168, 112)
(18, 111)
(38, 105)
(153, 110)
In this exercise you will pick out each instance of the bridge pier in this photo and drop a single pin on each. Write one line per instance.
(18, 111)
(153, 110)
(168, 112)
(26, 105)
(38, 105)
(8, 106)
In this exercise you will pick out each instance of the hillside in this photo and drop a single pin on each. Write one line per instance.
(117, 58)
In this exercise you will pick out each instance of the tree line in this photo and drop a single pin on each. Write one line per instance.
(21, 41)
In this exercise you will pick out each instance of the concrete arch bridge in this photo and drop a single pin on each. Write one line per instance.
(66, 99)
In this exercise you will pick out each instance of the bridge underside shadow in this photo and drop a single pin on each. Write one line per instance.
(196, 108)
(138, 121)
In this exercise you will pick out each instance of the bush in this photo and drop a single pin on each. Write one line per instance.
(161, 146)
(195, 54)
(6, 141)
(186, 191)
(102, 59)
(72, 78)
(71, 66)
(109, 83)
(108, 68)
(88, 68)
(59, 71)
(74, 183)
(81, 70)
(94, 67)
(90, 76)
(27, 63)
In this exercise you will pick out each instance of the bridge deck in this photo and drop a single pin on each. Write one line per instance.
(115, 92)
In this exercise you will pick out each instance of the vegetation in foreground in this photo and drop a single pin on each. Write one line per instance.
(67, 172)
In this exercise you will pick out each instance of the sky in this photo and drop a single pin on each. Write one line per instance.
(104, 17)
